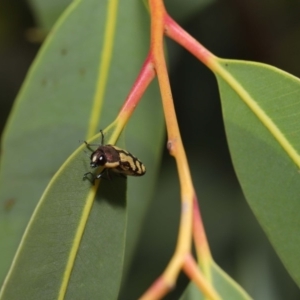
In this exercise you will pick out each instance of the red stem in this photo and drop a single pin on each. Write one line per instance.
(179, 35)
(157, 290)
(144, 78)
(191, 269)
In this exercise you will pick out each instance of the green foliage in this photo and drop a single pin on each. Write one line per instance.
(267, 174)
(70, 240)
(51, 115)
(49, 121)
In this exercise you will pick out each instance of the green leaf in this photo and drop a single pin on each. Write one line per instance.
(47, 12)
(223, 284)
(74, 245)
(54, 110)
(264, 160)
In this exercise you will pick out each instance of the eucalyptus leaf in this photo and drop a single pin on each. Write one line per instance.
(74, 245)
(267, 172)
(53, 113)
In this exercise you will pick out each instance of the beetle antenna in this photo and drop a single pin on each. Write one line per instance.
(88, 146)
(102, 137)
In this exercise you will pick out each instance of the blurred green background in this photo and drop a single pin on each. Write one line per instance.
(248, 30)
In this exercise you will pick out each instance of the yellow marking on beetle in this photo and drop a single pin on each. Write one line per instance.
(116, 159)
(111, 165)
(138, 166)
(141, 167)
(126, 158)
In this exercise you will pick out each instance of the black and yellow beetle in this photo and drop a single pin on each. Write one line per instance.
(115, 159)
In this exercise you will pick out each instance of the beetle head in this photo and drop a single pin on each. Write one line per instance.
(98, 158)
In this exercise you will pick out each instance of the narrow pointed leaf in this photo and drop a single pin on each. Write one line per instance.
(55, 108)
(74, 245)
(266, 161)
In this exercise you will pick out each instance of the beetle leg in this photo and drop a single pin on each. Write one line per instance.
(85, 176)
(101, 175)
